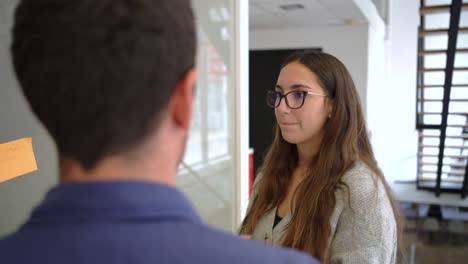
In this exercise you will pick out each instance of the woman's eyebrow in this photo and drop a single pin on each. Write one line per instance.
(294, 86)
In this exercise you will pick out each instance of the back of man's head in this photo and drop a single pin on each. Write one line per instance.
(98, 74)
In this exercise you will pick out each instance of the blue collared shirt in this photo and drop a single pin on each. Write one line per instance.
(127, 222)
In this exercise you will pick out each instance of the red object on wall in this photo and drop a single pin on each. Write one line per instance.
(251, 170)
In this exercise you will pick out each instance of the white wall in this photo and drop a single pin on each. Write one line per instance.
(18, 196)
(347, 43)
(394, 107)
(377, 90)
(242, 118)
(384, 70)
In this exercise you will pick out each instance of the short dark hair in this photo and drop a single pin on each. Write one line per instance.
(98, 73)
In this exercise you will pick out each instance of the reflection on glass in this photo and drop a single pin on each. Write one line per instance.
(206, 175)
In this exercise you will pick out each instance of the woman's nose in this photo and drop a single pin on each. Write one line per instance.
(283, 107)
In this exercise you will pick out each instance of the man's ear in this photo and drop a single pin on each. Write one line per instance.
(182, 99)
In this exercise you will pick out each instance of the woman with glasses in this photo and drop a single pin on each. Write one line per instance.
(320, 189)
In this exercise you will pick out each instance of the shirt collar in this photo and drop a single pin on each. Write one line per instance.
(124, 200)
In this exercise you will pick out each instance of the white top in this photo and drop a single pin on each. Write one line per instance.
(363, 231)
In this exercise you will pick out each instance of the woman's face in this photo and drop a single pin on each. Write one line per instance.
(305, 124)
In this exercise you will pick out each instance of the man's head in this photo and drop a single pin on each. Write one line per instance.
(103, 75)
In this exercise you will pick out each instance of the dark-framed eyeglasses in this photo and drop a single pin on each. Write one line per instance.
(294, 99)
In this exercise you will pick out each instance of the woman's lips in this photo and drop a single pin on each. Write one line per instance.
(287, 124)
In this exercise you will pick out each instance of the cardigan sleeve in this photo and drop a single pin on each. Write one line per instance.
(366, 228)
(254, 193)
(255, 187)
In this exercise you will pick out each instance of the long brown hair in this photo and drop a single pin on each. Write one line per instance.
(344, 143)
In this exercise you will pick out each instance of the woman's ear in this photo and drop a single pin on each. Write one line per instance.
(329, 105)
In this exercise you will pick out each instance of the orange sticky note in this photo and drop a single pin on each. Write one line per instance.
(16, 158)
